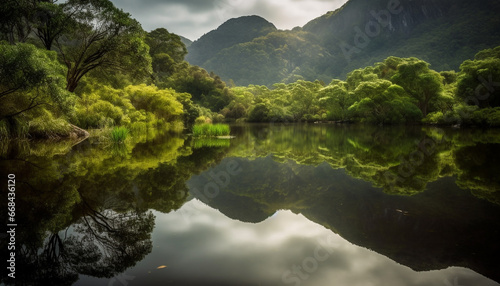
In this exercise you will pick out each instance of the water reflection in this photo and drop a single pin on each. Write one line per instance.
(442, 227)
(212, 249)
(245, 211)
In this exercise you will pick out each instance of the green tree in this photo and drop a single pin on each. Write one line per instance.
(29, 78)
(16, 20)
(337, 98)
(167, 52)
(103, 38)
(304, 99)
(160, 41)
(420, 82)
(205, 88)
(479, 79)
(384, 102)
(51, 21)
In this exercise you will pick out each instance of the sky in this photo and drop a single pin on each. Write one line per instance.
(194, 18)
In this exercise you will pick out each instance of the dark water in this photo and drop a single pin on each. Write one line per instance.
(277, 205)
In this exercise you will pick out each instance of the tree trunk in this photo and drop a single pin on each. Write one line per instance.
(71, 85)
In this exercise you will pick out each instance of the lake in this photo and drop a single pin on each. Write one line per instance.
(277, 205)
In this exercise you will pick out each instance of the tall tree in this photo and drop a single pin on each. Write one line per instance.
(51, 21)
(337, 99)
(420, 82)
(479, 80)
(104, 38)
(16, 20)
(167, 50)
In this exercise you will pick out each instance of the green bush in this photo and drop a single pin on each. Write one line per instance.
(434, 118)
(119, 134)
(46, 126)
(487, 117)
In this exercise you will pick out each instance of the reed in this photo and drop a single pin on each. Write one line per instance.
(211, 143)
(211, 130)
(119, 134)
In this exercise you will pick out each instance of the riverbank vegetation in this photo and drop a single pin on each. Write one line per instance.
(211, 130)
(102, 70)
(395, 91)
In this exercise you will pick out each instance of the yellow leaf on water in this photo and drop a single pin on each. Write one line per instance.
(161, 267)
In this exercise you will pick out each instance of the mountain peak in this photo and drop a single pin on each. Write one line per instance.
(232, 32)
(252, 19)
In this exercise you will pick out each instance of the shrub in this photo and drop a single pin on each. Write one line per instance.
(47, 127)
(119, 134)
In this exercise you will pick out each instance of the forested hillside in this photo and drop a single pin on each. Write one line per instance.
(232, 32)
(361, 33)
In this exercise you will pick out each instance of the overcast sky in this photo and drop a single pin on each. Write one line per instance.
(193, 18)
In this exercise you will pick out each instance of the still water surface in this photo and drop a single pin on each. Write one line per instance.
(277, 205)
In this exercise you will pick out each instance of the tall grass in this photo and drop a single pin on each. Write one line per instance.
(13, 128)
(211, 130)
(48, 127)
(211, 143)
(119, 134)
(4, 130)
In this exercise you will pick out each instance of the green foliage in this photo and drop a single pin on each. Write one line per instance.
(444, 34)
(259, 113)
(103, 38)
(206, 89)
(17, 19)
(29, 78)
(211, 143)
(478, 82)
(161, 102)
(232, 32)
(384, 102)
(119, 134)
(367, 95)
(167, 51)
(395, 91)
(420, 82)
(280, 56)
(211, 130)
(136, 106)
(337, 100)
(31, 85)
(489, 117)
(46, 126)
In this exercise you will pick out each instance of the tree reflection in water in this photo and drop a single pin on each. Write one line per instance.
(87, 209)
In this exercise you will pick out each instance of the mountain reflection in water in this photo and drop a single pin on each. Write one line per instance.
(278, 205)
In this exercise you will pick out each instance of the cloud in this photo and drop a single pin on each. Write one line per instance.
(201, 246)
(193, 18)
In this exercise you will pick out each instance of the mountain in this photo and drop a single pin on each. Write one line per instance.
(232, 32)
(443, 33)
(425, 232)
(360, 33)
